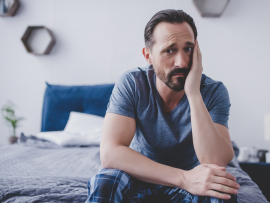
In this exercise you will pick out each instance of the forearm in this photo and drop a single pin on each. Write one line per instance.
(210, 145)
(141, 167)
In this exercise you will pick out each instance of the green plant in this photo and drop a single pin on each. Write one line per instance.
(8, 113)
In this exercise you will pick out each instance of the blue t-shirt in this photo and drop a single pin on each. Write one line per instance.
(165, 137)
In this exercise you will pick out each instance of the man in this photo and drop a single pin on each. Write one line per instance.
(179, 117)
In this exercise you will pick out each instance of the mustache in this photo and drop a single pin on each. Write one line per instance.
(179, 70)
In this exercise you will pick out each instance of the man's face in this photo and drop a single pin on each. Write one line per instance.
(171, 54)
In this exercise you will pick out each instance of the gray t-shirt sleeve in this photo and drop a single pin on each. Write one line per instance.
(122, 100)
(219, 108)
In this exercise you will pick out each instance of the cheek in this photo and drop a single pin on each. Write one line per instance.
(190, 60)
(188, 57)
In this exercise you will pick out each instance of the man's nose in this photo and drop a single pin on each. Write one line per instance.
(180, 60)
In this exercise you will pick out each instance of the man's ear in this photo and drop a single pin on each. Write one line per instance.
(146, 54)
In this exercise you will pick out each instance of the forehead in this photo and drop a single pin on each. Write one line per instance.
(168, 33)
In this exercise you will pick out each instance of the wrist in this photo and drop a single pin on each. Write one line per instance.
(194, 96)
(184, 181)
(180, 180)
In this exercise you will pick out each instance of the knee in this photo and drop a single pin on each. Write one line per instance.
(107, 179)
(110, 174)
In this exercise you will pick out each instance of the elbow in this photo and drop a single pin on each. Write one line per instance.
(230, 157)
(105, 157)
(109, 157)
(218, 160)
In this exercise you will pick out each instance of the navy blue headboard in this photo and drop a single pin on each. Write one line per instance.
(60, 100)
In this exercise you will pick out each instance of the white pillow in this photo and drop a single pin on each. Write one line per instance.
(81, 129)
(84, 124)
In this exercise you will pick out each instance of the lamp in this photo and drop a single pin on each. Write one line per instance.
(211, 8)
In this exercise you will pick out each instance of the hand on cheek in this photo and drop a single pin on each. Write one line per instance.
(193, 80)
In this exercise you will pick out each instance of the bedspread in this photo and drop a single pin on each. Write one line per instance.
(40, 171)
(36, 170)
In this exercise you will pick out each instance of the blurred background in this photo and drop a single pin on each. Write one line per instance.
(97, 40)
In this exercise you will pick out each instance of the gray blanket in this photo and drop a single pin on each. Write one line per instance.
(39, 171)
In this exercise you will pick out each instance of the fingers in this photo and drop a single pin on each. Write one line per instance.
(223, 188)
(197, 56)
(195, 51)
(218, 195)
(224, 174)
(226, 182)
(199, 53)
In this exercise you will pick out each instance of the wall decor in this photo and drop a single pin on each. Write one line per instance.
(8, 7)
(211, 8)
(38, 40)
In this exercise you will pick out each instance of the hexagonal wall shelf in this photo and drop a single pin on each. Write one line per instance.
(8, 7)
(211, 8)
(38, 40)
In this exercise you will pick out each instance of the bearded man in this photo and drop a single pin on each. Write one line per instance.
(165, 131)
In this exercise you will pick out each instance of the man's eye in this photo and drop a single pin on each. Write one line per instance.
(188, 49)
(169, 51)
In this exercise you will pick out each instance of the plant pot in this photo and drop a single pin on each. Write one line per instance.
(12, 139)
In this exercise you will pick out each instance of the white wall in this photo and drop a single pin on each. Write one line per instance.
(97, 40)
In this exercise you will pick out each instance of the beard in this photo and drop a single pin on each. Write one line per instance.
(167, 79)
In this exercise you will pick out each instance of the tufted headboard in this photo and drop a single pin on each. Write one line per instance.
(60, 100)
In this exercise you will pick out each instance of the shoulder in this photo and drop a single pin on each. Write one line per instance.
(136, 77)
(209, 84)
(135, 73)
(214, 92)
(209, 81)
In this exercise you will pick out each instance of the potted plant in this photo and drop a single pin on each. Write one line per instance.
(10, 117)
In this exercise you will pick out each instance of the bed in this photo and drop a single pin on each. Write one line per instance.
(36, 170)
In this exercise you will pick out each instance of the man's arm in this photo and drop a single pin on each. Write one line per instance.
(211, 141)
(117, 134)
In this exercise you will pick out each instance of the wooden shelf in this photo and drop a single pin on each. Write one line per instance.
(11, 11)
(28, 35)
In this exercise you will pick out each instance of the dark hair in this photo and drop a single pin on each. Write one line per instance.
(170, 16)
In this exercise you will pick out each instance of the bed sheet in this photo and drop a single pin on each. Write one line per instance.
(39, 171)
(36, 170)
